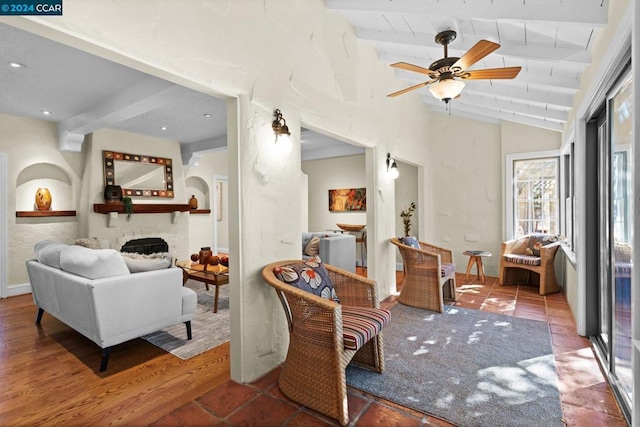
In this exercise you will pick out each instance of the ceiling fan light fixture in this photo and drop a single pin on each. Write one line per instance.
(447, 89)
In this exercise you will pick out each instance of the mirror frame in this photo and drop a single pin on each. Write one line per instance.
(109, 158)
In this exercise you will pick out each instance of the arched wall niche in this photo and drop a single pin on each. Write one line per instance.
(46, 175)
(198, 187)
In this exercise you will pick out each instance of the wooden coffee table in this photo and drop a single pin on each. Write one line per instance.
(216, 275)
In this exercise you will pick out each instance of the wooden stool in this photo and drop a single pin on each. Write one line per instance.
(475, 257)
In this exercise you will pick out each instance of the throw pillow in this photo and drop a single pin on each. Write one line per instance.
(138, 263)
(536, 241)
(89, 242)
(310, 276)
(410, 241)
(313, 247)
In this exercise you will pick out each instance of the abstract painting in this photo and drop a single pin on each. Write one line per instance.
(348, 200)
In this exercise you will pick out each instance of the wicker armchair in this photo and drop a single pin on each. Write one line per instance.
(516, 257)
(426, 272)
(313, 373)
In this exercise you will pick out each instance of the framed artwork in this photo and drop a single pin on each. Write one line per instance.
(348, 200)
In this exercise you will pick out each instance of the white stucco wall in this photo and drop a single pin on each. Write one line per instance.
(320, 76)
(330, 174)
(465, 206)
(32, 146)
(201, 226)
(140, 225)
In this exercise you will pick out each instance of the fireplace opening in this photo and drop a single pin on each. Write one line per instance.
(146, 246)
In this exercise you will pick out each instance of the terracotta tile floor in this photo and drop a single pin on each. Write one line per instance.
(586, 397)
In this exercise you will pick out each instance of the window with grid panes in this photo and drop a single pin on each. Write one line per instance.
(536, 203)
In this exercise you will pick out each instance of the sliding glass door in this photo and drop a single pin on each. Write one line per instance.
(616, 178)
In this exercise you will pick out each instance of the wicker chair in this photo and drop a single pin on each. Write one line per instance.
(313, 373)
(426, 272)
(515, 259)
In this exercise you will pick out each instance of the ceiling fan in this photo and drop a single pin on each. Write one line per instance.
(447, 73)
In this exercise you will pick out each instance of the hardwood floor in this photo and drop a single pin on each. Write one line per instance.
(49, 375)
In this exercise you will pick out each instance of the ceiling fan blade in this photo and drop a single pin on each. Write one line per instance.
(475, 54)
(491, 73)
(409, 89)
(411, 67)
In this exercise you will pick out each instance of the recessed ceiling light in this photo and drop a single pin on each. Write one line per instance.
(46, 112)
(207, 115)
(163, 128)
(17, 65)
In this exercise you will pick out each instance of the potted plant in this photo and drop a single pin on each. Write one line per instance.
(128, 206)
(406, 217)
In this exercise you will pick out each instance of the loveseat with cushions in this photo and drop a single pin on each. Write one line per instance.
(93, 292)
(336, 249)
(532, 253)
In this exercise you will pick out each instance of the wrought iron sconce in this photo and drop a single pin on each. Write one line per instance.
(279, 124)
(392, 167)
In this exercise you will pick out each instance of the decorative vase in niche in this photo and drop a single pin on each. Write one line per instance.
(193, 202)
(112, 194)
(43, 199)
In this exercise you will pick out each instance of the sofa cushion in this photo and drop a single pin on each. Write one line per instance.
(310, 276)
(48, 252)
(312, 247)
(410, 241)
(137, 263)
(92, 263)
(537, 241)
(360, 324)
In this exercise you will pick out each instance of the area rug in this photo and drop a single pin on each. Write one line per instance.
(208, 329)
(468, 367)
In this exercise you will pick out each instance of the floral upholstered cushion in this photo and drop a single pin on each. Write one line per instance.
(310, 276)
(537, 241)
(410, 241)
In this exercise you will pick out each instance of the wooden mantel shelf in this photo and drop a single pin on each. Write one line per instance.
(147, 208)
(40, 214)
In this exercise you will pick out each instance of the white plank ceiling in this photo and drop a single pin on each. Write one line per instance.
(550, 39)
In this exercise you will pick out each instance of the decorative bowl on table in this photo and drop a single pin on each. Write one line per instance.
(351, 227)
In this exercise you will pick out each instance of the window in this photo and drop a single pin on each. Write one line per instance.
(533, 194)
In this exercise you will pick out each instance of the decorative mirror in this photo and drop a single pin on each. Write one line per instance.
(138, 175)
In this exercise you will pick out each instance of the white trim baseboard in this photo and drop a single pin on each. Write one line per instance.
(19, 289)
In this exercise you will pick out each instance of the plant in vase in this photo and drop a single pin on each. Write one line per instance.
(406, 218)
(128, 206)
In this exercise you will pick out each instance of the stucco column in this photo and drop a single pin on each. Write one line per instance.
(265, 206)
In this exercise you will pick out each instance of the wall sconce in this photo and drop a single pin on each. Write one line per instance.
(392, 167)
(279, 126)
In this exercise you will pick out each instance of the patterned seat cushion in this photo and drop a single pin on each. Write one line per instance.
(360, 324)
(447, 269)
(523, 259)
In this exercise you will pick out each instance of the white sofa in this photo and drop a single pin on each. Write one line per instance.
(337, 249)
(93, 292)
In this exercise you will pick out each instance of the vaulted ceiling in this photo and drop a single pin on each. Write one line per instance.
(550, 39)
